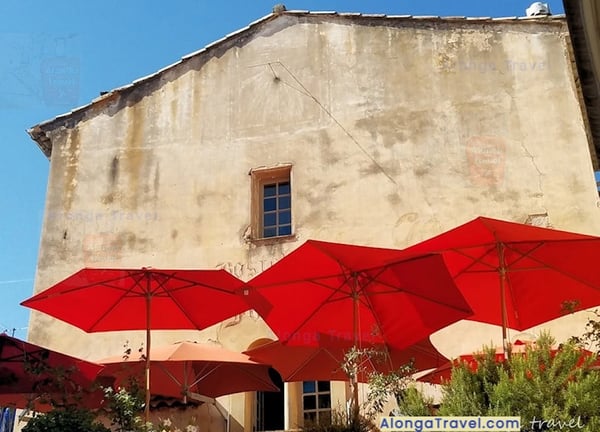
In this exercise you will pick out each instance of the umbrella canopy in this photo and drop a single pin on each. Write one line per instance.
(355, 295)
(187, 369)
(443, 373)
(324, 363)
(30, 374)
(142, 299)
(517, 275)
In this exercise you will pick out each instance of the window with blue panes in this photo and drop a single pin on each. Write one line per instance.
(271, 202)
(316, 401)
(277, 209)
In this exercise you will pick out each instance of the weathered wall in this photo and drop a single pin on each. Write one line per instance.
(396, 129)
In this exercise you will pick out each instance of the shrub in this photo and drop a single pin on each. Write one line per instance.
(63, 420)
(543, 385)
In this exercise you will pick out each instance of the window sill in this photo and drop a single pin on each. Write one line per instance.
(265, 241)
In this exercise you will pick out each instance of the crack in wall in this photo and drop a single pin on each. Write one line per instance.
(539, 172)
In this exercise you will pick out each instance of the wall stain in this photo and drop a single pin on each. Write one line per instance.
(394, 199)
(371, 169)
(114, 171)
(133, 154)
(328, 155)
(422, 170)
(113, 179)
(129, 240)
(502, 196)
(174, 103)
(70, 153)
(156, 180)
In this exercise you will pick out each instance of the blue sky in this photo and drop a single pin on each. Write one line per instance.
(55, 56)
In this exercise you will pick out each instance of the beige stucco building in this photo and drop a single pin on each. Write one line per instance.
(386, 130)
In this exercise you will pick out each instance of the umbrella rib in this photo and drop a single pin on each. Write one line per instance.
(543, 265)
(184, 310)
(366, 300)
(523, 255)
(121, 297)
(307, 361)
(206, 370)
(475, 259)
(168, 372)
(191, 284)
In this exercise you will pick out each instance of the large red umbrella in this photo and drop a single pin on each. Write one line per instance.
(324, 363)
(518, 275)
(98, 300)
(188, 369)
(360, 295)
(34, 375)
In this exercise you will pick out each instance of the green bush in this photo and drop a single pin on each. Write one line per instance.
(65, 420)
(544, 385)
(124, 408)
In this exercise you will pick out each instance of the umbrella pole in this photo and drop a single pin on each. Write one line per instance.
(147, 404)
(354, 380)
(502, 270)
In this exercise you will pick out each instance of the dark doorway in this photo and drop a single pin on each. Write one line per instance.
(270, 406)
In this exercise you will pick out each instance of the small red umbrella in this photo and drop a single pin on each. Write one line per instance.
(34, 375)
(443, 373)
(518, 275)
(98, 300)
(324, 363)
(362, 296)
(189, 369)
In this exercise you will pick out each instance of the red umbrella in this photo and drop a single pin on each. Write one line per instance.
(324, 363)
(517, 275)
(359, 295)
(34, 375)
(188, 369)
(443, 373)
(98, 300)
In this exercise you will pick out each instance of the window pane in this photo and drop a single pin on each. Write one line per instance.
(269, 219)
(309, 387)
(284, 188)
(325, 417)
(324, 386)
(285, 217)
(270, 232)
(285, 230)
(270, 190)
(285, 202)
(270, 204)
(310, 402)
(325, 401)
(310, 417)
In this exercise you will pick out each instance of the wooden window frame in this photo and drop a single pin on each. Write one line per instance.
(259, 178)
